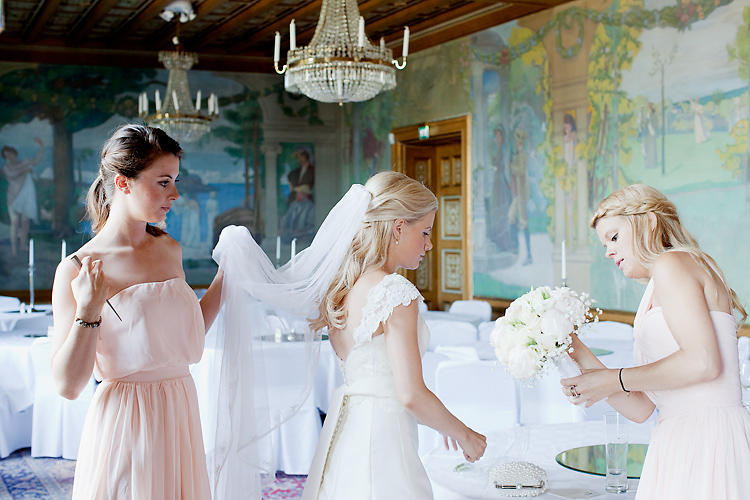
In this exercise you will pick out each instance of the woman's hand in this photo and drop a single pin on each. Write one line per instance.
(90, 290)
(591, 387)
(473, 445)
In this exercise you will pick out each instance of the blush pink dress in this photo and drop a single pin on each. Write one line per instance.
(142, 437)
(700, 447)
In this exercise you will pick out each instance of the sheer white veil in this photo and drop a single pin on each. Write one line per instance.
(259, 300)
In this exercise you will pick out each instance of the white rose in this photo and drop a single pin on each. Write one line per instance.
(556, 326)
(523, 363)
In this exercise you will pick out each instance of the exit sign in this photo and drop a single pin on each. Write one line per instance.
(424, 132)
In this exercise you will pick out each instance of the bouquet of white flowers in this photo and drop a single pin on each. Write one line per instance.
(536, 330)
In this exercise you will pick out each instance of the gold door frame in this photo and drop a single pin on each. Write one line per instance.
(440, 131)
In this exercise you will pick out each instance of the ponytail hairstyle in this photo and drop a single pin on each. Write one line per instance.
(394, 196)
(131, 150)
(634, 203)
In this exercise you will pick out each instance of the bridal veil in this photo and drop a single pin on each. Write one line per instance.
(256, 295)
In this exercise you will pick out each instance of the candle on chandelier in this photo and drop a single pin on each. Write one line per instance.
(361, 39)
(216, 105)
(292, 36)
(406, 42)
(145, 103)
(210, 104)
(382, 43)
(158, 101)
(176, 102)
(198, 101)
(276, 47)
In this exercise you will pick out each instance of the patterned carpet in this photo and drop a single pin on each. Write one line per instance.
(26, 478)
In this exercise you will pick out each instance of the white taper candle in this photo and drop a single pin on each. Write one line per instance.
(276, 46)
(176, 102)
(361, 38)
(405, 51)
(562, 261)
(198, 101)
(158, 101)
(292, 36)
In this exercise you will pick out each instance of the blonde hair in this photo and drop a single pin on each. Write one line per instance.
(634, 203)
(131, 150)
(394, 196)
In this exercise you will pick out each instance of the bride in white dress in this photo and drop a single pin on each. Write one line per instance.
(368, 446)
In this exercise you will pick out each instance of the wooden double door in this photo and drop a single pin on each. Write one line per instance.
(440, 163)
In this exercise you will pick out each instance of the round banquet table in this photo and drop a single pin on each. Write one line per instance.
(545, 442)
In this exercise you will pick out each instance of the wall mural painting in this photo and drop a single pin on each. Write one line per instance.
(367, 150)
(511, 245)
(54, 120)
(665, 103)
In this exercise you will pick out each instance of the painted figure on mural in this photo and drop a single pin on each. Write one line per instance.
(648, 137)
(299, 220)
(21, 195)
(570, 140)
(701, 131)
(499, 199)
(518, 216)
(212, 210)
(304, 174)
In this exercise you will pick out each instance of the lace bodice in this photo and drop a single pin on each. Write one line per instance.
(369, 357)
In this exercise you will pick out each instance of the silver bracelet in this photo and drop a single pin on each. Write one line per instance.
(89, 325)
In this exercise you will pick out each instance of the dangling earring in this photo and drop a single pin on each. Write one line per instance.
(396, 242)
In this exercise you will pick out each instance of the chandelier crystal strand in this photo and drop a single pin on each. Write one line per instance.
(340, 64)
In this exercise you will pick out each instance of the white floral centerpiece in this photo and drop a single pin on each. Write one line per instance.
(536, 328)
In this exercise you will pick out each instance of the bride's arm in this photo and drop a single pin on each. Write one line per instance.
(211, 300)
(406, 363)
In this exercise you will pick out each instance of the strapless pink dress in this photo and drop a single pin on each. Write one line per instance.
(700, 447)
(142, 438)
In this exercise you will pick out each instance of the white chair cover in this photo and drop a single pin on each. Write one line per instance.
(609, 330)
(480, 308)
(743, 347)
(479, 393)
(428, 437)
(445, 332)
(485, 330)
(57, 422)
(8, 304)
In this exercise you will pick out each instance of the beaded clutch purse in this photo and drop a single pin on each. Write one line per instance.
(519, 479)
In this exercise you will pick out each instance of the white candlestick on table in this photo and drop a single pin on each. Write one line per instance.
(278, 247)
(31, 252)
(64, 251)
(562, 260)
(294, 247)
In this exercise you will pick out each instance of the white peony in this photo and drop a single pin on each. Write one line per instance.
(523, 363)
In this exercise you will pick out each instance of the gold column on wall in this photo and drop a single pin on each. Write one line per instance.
(442, 163)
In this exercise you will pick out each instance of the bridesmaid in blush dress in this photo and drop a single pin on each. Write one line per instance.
(685, 350)
(142, 437)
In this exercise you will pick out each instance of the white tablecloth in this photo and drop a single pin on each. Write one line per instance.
(16, 390)
(9, 320)
(445, 315)
(545, 442)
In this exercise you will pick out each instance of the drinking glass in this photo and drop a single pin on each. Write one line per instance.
(616, 452)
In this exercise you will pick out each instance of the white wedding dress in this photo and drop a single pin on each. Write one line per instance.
(368, 446)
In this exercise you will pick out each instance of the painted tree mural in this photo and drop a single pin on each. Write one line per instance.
(70, 98)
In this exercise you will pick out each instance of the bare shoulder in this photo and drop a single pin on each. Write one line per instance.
(368, 281)
(676, 265)
(170, 245)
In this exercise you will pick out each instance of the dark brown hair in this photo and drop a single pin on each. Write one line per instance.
(131, 150)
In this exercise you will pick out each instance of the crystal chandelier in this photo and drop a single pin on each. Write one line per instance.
(177, 115)
(340, 64)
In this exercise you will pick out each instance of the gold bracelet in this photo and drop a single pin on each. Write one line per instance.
(89, 325)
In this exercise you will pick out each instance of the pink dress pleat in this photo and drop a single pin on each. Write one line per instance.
(142, 438)
(700, 447)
